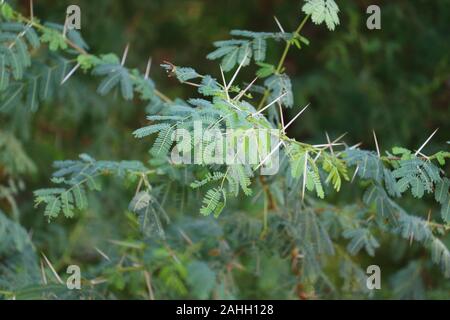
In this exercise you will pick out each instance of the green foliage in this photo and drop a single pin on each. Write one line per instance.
(322, 10)
(207, 230)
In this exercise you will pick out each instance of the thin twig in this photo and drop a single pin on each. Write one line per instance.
(376, 143)
(52, 269)
(424, 144)
(147, 69)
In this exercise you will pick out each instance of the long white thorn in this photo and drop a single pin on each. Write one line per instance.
(185, 236)
(71, 72)
(237, 70)
(424, 144)
(241, 94)
(125, 54)
(411, 238)
(297, 115)
(274, 101)
(376, 143)
(147, 69)
(220, 120)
